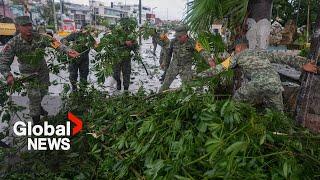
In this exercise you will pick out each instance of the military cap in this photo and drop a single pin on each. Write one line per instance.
(181, 30)
(23, 20)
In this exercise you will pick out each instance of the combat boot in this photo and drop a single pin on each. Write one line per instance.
(74, 88)
(36, 120)
(119, 86)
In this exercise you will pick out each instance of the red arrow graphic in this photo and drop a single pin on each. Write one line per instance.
(77, 121)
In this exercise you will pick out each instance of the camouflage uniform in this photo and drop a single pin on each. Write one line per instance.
(165, 57)
(154, 41)
(182, 56)
(124, 65)
(82, 42)
(31, 60)
(264, 84)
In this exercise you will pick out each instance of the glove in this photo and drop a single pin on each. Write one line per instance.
(163, 37)
(198, 47)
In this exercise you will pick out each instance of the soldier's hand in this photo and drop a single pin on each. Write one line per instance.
(10, 80)
(310, 67)
(162, 66)
(129, 43)
(73, 54)
(212, 63)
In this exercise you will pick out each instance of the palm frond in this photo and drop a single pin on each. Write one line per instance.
(204, 12)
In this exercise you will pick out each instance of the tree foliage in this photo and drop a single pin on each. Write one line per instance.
(179, 135)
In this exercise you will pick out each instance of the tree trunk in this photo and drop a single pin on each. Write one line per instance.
(308, 104)
(259, 25)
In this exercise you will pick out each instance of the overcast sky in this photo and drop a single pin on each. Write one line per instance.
(175, 8)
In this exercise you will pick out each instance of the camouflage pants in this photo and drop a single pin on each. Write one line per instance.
(252, 93)
(36, 93)
(164, 59)
(174, 69)
(81, 65)
(154, 46)
(124, 67)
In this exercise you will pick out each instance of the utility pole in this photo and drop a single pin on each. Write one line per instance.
(140, 22)
(4, 8)
(54, 16)
(308, 21)
(61, 10)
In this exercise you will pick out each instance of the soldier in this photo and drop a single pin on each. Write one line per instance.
(127, 46)
(181, 50)
(81, 41)
(29, 47)
(154, 41)
(164, 42)
(264, 84)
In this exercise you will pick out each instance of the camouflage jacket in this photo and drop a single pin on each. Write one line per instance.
(30, 54)
(183, 52)
(256, 66)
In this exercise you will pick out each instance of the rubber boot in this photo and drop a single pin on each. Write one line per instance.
(119, 85)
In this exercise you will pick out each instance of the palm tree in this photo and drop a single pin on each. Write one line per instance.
(204, 12)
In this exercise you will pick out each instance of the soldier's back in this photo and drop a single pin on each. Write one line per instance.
(256, 66)
(183, 52)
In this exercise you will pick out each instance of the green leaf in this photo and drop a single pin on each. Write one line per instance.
(285, 169)
(236, 147)
(263, 138)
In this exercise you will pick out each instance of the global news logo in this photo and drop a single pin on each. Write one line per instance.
(48, 137)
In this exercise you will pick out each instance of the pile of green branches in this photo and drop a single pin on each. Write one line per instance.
(186, 134)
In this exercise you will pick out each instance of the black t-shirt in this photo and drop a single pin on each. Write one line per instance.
(260, 9)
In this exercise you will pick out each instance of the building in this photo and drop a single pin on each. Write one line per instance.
(133, 11)
(81, 14)
(110, 13)
(151, 18)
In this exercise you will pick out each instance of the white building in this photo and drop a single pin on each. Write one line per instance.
(111, 13)
(81, 14)
(133, 11)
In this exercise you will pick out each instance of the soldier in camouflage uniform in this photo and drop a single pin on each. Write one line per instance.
(81, 41)
(181, 50)
(164, 42)
(29, 47)
(154, 41)
(129, 45)
(264, 84)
